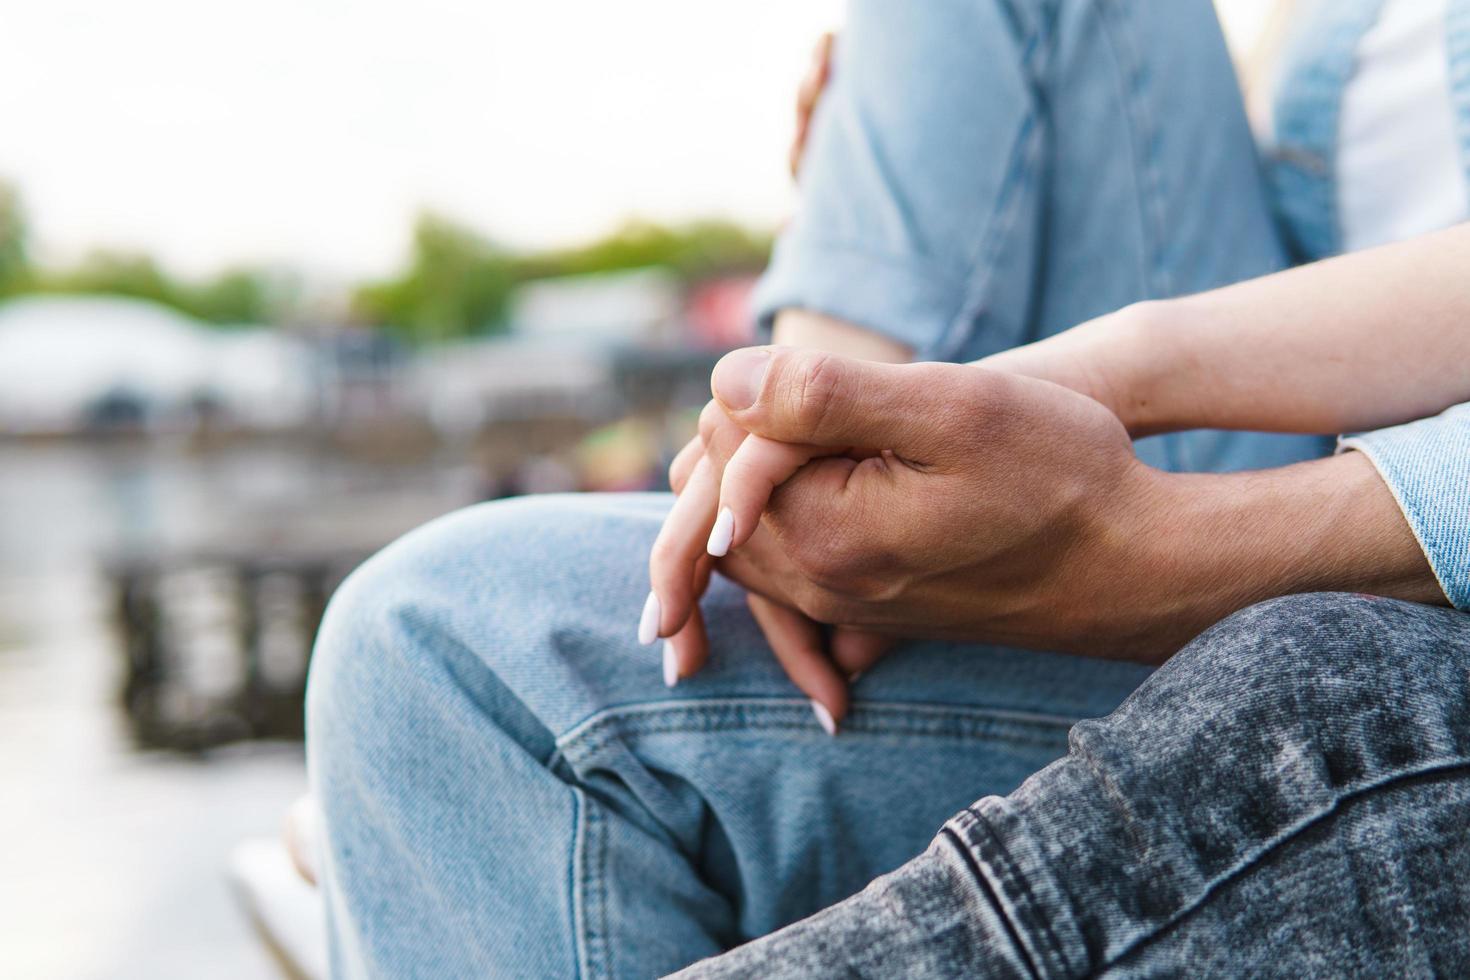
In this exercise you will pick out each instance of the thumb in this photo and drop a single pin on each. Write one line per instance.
(821, 399)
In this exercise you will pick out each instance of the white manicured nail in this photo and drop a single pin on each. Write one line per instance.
(671, 665)
(724, 531)
(824, 717)
(648, 622)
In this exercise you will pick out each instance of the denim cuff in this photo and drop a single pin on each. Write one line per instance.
(1426, 465)
(901, 300)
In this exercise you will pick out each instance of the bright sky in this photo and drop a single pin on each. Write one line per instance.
(310, 131)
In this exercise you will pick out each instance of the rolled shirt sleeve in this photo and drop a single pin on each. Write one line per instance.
(917, 203)
(1426, 465)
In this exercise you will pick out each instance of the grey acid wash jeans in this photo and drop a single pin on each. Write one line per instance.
(1288, 796)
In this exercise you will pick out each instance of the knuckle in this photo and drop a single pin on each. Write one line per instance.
(664, 555)
(831, 562)
(822, 606)
(710, 419)
(810, 387)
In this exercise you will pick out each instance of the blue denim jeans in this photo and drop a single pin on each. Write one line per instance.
(509, 790)
(1286, 797)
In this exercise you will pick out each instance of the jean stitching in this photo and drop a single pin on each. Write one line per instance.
(1015, 881)
(982, 881)
(974, 829)
(602, 902)
(578, 882)
(596, 952)
(1008, 208)
(981, 264)
(790, 714)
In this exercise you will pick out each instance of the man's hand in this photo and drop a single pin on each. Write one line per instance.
(1008, 509)
(990, 503)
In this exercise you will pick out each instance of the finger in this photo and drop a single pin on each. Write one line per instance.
(672, 564)
(687, 650)
(758, 467)
(797, 643)
(854, 651)
(722, 438)
(683, 464)
(808, 396)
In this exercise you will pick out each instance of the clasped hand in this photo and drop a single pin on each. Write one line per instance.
(883, 501)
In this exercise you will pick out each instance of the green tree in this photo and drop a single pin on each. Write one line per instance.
(693, 251)
(243, 296)
(116, 273)
(236, 296)
(456, 284)
(15, 268)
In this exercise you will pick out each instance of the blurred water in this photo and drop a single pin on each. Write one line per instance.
(111, 860)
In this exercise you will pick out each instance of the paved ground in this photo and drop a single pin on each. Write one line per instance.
(112, 862)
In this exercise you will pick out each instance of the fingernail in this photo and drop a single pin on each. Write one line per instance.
(737, 379)
(824, 717)
(671, 665)
(648, 622)
(724, 531)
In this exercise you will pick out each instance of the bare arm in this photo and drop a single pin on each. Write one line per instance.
(817, 331)
(1357, 342)
(1037, 527)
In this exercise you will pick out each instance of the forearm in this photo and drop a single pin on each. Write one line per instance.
(817, 331)
(1196, 547)
(1356, 342)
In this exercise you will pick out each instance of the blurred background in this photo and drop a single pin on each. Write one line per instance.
(279, 281)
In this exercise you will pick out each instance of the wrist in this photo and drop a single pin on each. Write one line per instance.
(1123, 359)
(1139, 363)
(1187, 550)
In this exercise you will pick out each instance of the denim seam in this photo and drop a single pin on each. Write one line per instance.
(793, 714)
(578, 883)
(1143, 133)
(591, 916)
(983, 260)
(1256, 855)
(981, 263)
(982, 880)
(1006, 879)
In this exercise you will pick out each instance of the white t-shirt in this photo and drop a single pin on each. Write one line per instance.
(1399, 171)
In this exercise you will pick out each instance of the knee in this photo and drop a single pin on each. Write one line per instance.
(1301, 649)
(410, 620)
(500, 596)
(1349, 686)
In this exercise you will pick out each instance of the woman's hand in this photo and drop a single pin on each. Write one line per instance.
(993, 502)
(819, 662)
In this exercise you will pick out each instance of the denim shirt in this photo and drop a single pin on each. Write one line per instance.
(1426, 464)
(1300, 161)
